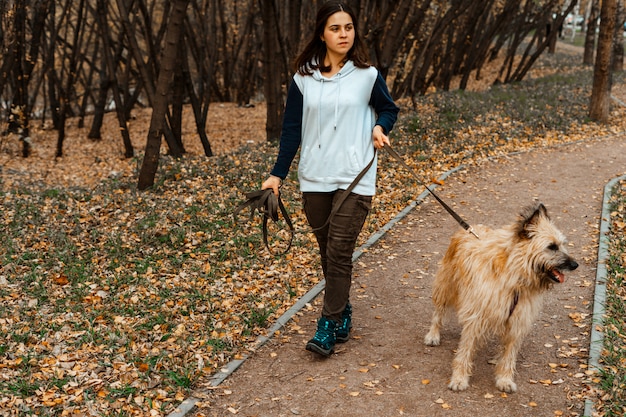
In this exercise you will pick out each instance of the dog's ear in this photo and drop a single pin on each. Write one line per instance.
(529, 219)
(539, 207)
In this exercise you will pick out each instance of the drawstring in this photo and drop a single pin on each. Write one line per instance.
(337, 98)
(319, 116)
(319, 108)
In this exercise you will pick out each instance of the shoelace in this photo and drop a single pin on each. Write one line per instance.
(324, 333)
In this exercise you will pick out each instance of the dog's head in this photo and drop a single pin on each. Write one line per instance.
(546, 245)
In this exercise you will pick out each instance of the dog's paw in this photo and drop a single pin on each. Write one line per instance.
(432, 339)
(506, 385)
(459, 384)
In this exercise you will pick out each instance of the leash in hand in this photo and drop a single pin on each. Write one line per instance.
(268, 204)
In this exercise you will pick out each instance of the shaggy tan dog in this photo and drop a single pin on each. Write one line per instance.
(496, 285)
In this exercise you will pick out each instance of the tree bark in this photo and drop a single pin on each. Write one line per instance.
(590, 36)
(271, 67)
(601, 90)
(147, 78)
(618, 41)
(159, 109)
(107, 56)
(65, 92)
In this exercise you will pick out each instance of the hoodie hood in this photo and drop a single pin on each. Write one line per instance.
(347, 68)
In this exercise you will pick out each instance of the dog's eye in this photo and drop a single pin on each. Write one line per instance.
(553, 246)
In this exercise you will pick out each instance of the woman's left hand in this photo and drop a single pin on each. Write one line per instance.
(379, 137)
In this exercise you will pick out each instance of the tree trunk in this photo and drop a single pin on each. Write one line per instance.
(159, 108)
(590, 37)
(99, 105)
(178, 92)
(601, 91)
(72, 64)
(271, 67)
(107, 56)
(196, 100)
(24, 63)
(618, 40)
(18, 116)
(146, 76)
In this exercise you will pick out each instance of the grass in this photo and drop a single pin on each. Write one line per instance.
(611, 382)
(111, 295)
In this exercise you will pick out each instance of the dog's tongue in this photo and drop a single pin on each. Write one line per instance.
(558, 275)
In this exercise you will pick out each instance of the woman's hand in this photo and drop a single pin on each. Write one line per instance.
(379, 137)
(273, 183)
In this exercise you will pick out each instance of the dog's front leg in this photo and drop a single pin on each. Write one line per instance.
(505, 367)
(463, 360)
(433, 338)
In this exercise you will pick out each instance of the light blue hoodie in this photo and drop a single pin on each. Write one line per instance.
(331, 119)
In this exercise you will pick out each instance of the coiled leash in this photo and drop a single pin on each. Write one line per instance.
(266, 202)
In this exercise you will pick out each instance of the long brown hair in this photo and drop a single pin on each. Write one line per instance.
(312, 57)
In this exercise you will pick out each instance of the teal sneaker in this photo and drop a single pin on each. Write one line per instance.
(343, 330)
(324, 340)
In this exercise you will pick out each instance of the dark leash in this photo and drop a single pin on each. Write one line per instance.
(346, 193)
(268, 204)
(395, 154)
(456, 217)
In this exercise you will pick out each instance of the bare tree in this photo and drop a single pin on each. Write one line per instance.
(108, 79)
(601, 91)
(618, 40)
(199, 57)
(590, 35)
(146, 71)
(271, 67)
(22, 63)
(160, 103)
(71, 56)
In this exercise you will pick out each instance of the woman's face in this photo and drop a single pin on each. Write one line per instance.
(339, 34)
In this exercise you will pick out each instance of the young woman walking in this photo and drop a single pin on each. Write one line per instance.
(338, 111)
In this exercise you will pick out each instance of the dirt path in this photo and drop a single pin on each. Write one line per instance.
(385, 369)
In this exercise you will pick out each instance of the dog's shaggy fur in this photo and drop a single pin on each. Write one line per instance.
(496, 285)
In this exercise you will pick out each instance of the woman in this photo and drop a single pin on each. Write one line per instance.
(338, 110)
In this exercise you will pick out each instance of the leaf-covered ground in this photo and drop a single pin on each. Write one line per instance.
(115, 302)
(611, 381)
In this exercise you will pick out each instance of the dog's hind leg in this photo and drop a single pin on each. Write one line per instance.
(463, 360)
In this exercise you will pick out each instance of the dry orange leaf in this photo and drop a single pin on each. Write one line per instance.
(61, 279)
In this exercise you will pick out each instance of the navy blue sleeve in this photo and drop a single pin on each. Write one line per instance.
(291, 134)
(386, 110)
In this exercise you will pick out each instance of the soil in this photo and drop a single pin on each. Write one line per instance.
(86, 162)
(385, 369)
